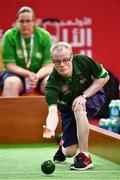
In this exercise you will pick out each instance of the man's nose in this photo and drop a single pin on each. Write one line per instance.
(61, 63)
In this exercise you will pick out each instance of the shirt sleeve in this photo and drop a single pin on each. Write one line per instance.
(97, 70)
(47, 43)
(103, 73)
(8, 49)
(52, 92)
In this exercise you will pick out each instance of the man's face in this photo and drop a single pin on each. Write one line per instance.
(25, 23)
(63, 62)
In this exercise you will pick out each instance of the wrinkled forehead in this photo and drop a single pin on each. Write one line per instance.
(60, 52)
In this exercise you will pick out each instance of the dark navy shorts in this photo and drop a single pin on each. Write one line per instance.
(69, 132)
(7, 74)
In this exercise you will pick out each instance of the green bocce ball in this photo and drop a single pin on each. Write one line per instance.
(48, 167)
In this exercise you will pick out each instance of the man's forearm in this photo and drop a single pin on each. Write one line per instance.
(95, 86)
(52, 118)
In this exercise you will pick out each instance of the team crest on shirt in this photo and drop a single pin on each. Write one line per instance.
(82, 79)
(19, 52)
(65, 89)
(39, 55)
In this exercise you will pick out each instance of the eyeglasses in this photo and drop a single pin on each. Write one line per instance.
(25, 21)
(64, 61)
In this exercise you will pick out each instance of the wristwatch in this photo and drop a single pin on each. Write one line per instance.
(84, 95)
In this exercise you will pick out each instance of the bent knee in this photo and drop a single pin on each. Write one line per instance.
(70, 151)
(43, 84)
(12, 81)
(12, 86)
(80, 113)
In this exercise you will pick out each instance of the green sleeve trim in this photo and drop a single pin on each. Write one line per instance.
(52, 105)
(9, 61)
(103, 73)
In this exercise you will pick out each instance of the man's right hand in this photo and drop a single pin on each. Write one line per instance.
(51, 122)
(48, 133)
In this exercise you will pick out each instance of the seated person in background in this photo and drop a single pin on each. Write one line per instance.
(75, 88)
(26, 55)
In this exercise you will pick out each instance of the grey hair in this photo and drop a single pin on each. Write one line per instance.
(59, 46)
(25, 9)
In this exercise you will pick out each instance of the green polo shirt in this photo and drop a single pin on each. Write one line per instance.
(65, 89)
(12, 51)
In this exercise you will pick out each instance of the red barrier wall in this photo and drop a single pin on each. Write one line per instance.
(91, 26)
